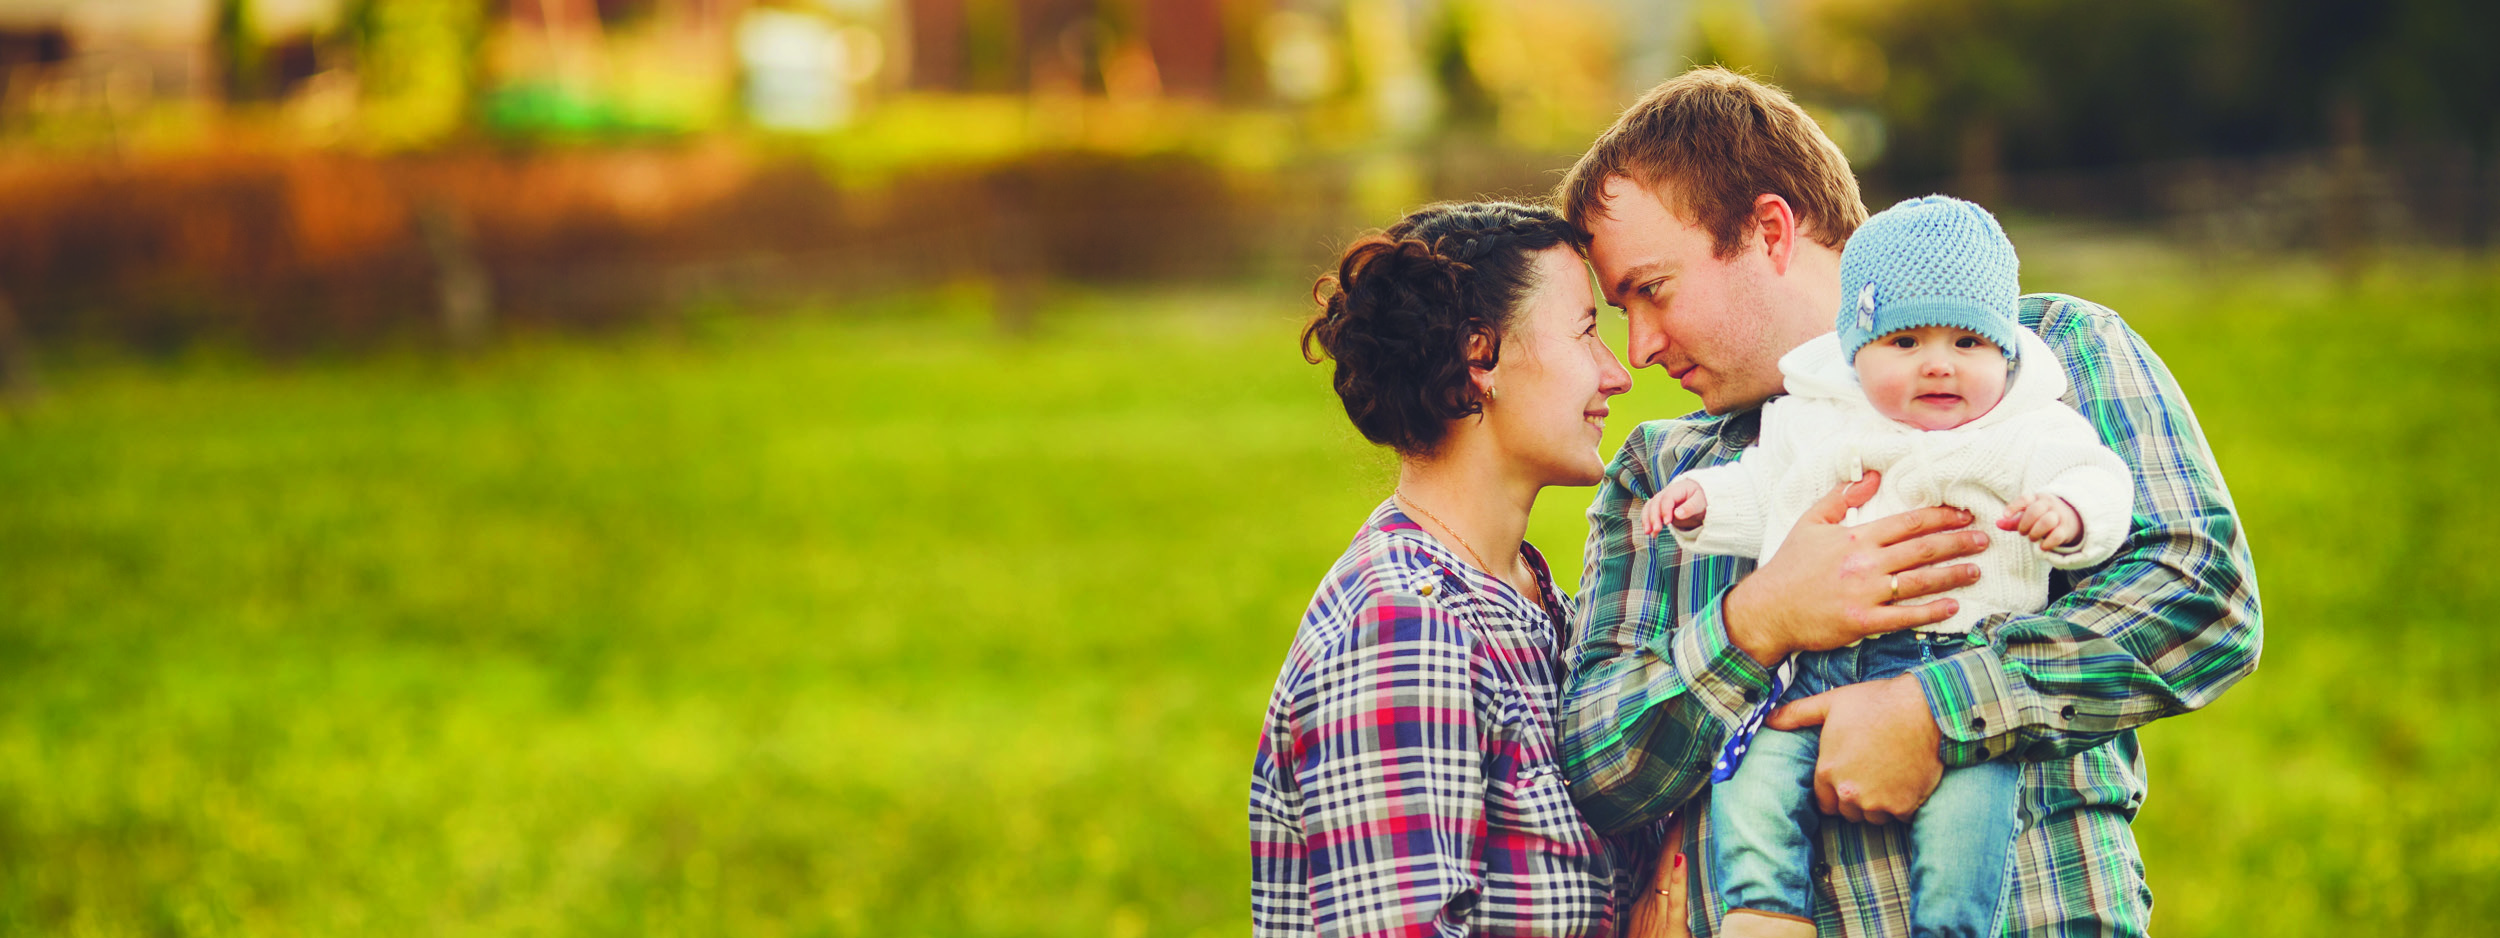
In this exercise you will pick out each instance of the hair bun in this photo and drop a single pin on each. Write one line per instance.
(1404, 305)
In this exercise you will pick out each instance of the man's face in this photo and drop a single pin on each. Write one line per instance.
(1708, 321)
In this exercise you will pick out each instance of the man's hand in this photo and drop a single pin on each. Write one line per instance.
(1878, 760)
(1830, 585)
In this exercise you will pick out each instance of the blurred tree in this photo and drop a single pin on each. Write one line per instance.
(1731, 33)
(1970, 87)
(1470, 105)
(417, 62)
(242, 63)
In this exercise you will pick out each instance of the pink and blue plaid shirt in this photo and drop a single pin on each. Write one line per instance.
(1406, 781)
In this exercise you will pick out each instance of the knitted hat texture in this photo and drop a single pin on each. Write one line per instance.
(1929, 261)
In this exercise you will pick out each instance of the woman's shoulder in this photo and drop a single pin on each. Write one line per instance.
(1390, 583)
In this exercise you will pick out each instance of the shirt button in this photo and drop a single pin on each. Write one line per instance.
(1983, 753)
(1752, 695)
(2068, 712)
(1979, 723)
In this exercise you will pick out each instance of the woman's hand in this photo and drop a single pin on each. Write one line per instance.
(1661, 911)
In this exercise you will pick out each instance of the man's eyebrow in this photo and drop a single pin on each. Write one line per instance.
(1623, 285)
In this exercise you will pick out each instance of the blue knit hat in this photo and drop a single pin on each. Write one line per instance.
(1931, 261)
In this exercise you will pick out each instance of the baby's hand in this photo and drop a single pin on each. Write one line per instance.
(2047, 520)
(1682, 505)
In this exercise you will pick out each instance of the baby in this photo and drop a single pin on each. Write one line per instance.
(1931, 381)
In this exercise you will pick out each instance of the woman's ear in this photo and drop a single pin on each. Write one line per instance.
(1482, 361)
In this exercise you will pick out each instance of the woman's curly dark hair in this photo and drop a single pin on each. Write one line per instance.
(1398, 313)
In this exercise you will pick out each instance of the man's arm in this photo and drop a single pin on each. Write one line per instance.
(1390, 761)
(2165, 627)
(1648, 701)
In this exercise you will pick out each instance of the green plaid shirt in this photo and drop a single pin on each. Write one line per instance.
(2164, 627)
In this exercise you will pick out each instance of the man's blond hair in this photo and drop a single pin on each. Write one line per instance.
(1713, 141)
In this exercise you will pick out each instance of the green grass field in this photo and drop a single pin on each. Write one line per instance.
(869, 622)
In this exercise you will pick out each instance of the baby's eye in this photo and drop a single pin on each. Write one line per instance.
(1968, 341)
(1903, 341)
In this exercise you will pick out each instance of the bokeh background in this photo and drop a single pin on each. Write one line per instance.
(842, 467)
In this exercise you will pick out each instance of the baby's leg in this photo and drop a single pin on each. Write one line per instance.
(1960, 842)
(1762, 826)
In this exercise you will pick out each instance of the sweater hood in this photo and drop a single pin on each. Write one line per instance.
(1817, 369)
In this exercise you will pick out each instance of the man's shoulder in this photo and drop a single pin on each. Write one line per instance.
(1667, 440)
(2062, 318)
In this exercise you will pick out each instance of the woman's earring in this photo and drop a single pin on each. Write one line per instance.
(1491, 392)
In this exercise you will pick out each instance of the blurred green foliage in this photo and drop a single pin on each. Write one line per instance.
(2065, 83)
(874, 622)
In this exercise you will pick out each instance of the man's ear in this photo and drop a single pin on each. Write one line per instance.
(1776, 222)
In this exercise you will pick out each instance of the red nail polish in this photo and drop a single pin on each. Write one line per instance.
(1679, 861)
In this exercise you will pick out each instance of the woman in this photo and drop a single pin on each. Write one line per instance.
(1406, 780)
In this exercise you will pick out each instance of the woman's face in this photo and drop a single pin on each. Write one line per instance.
(1553, 379)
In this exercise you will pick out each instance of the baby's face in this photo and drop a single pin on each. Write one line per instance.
(1932, 377)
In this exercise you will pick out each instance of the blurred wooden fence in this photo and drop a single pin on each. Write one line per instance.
(318, 250)
(2337, 203)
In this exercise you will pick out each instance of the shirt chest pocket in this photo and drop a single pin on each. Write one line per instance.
(1525, 794)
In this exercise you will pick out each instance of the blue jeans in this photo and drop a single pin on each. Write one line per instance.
(1764, 819)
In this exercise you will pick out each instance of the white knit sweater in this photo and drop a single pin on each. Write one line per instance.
(1824, 432)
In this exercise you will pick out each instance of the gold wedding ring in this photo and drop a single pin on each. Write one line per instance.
(1895, 592)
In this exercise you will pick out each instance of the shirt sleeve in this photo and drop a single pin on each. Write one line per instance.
(1391, 767)
(1649, 698)
(2167, 625)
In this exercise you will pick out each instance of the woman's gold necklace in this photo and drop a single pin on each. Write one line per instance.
(1453, 532)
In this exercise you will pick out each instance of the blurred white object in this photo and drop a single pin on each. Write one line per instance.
(798, 71)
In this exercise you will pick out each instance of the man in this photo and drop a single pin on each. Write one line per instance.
(1718, 210)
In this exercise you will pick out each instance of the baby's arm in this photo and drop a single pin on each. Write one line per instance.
(2079, 495)
(1728, 510)
(1682, 505)
(2047, 520)
(1733, 496)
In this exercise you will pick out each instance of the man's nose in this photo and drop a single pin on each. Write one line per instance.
(1644, 340)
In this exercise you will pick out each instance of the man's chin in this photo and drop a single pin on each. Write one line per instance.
(1720, 401)
(1721, 407)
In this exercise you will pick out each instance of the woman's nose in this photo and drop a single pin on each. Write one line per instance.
(1612, 377)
